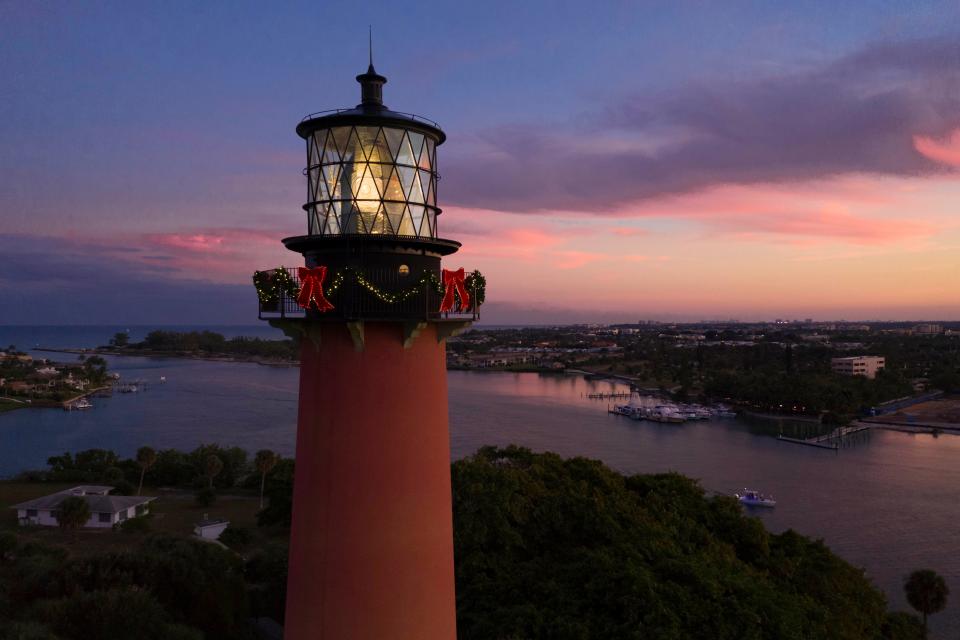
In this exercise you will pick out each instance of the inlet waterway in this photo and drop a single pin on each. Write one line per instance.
(887, 502)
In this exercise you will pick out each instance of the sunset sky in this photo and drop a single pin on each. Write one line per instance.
(619, 161)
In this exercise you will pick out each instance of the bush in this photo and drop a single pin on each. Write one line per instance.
(140, 524)
(115, 614)
(266, 573)
(902, 626)
(205, 497)
(26, 631)
(236, 537)
(8, 544)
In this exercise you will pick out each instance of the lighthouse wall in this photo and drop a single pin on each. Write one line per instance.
(371, 548)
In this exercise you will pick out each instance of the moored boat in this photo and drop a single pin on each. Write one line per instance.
(753, 498)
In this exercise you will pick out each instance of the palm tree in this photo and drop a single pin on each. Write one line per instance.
(265, 461)
(926, 592)
(73, 512)
(146, 458)
(214, 465)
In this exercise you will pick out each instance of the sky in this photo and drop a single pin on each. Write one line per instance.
(615, 161)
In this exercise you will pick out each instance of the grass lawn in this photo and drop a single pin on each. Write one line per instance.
(172, 513)
(6, 405)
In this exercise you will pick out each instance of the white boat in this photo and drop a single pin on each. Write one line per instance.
(82, 403)
(753, 498)
(665, 413)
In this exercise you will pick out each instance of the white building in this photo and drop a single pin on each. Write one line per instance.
(867, 366)
(210, 529)
(928, 329)
(105, 510)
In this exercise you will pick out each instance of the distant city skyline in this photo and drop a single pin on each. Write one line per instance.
(678, 162)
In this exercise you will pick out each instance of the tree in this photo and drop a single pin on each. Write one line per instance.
(73, 512)
(95, 368)
(205, 497)
(212, 466)
(280, 493)
(120, 339)
(146, 458)
(265, 461)
(926, 592)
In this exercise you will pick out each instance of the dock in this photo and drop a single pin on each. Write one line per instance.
(623, 395)
(830, 440)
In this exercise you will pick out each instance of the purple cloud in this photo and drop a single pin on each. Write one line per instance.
(858, 114)
(46, 280)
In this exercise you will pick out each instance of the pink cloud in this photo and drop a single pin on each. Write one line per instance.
(850, 210)
(945, 152)
(629, 232)
(213, 240)
(826, 224)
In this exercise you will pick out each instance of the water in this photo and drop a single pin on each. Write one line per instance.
(888, 503)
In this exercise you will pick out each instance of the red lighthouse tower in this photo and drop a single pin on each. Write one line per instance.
(371, 549)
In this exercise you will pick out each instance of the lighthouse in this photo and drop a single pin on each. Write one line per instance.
(371, 546)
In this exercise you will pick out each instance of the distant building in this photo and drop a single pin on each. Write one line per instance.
(866, 366)
(928, 329)
(105, 510)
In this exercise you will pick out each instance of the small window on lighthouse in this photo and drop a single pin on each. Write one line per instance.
(404, 270)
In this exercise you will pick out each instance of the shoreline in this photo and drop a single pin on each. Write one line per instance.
(184, 355)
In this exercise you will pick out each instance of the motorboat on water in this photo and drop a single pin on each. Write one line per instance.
(753, 498)
(82, 403)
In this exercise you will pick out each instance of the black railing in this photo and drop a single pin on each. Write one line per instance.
(412, 116)
(367, 294)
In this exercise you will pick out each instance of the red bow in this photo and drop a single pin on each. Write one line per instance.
(454, 281)
(311, 288)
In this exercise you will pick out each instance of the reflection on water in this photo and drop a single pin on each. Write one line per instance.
(888, 503)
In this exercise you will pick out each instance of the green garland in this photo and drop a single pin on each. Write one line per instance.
(476, 284)
(272, 283)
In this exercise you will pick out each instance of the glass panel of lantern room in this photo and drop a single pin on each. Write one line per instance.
(405, 155)
(416, 141)
(330, 153)
(394, 211)
(406, 227)
(394, 138)
(392, 192)
(426, 155)
(340, 135)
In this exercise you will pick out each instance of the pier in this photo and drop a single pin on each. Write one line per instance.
(623, 395)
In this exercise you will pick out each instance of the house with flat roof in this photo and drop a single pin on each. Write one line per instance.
(866, 366)
(105, 510)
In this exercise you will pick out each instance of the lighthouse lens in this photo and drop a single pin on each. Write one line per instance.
(371, 180)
